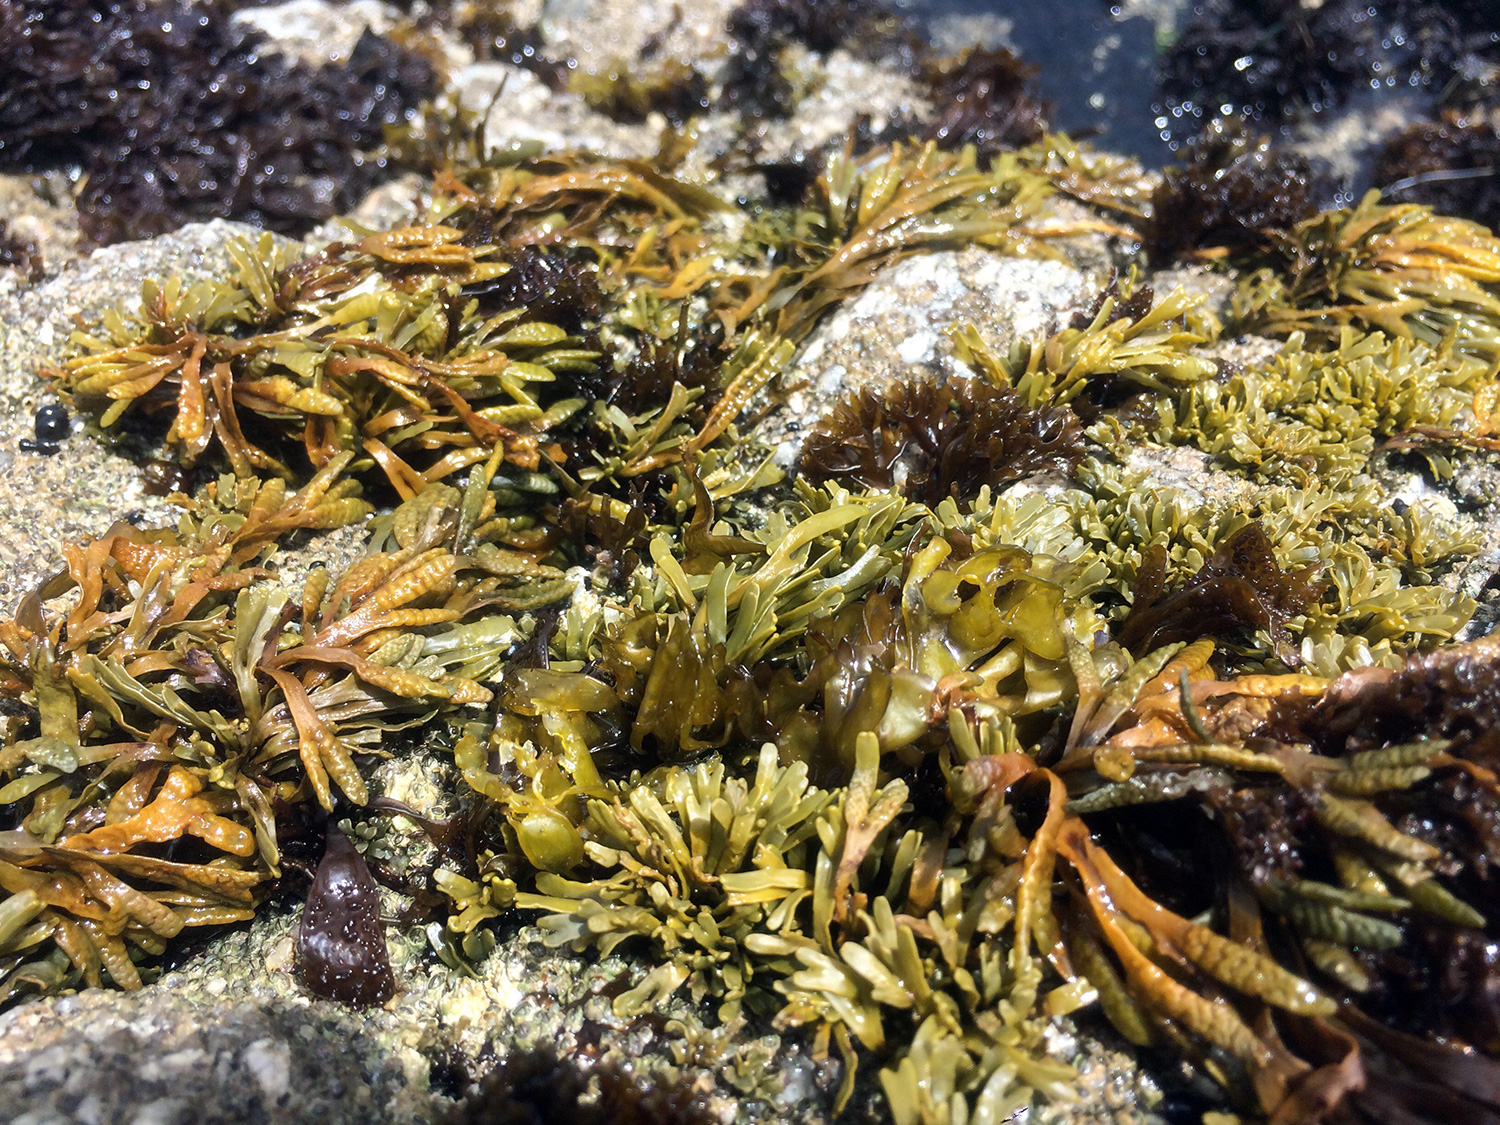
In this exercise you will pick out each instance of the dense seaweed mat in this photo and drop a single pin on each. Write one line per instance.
(1447, 164)
(175, 114)
(1233, 189)
(1274, 59)
(946, 729)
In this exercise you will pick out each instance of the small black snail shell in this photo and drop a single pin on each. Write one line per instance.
(341, 950)
(51, 422)
(50, 425)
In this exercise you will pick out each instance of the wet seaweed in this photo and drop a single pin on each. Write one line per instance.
(755, 82)
(541, 1087)
(856, 756)
(197, 710)
(872, 210)
(1397, 268)
(1233, 191)
(1375, 606)
(546, 286)
(335, 367)
(1276, 59)
(1327, 845)
(931, 440)
(1126, 344)
(492, 33)
(984, 98)
(1448, 165)
(1240, 585)
(630, 92)
(176, 115)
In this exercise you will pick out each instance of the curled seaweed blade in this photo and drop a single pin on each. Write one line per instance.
(865, 815)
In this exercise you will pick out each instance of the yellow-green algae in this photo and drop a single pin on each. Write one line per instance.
(825, 754)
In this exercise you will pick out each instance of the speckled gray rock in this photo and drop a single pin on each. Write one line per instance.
(597, 33)
(76, 494)
(316, 31)
(898, 327)
(157, 1059)
(228, 1037)
(520, 111)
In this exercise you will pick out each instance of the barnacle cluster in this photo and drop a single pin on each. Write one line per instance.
(951, 726)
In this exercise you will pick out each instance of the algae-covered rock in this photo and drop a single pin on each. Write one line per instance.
(713, 772)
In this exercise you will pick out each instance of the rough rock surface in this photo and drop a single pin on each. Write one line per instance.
(897, 328)
(78, 493)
